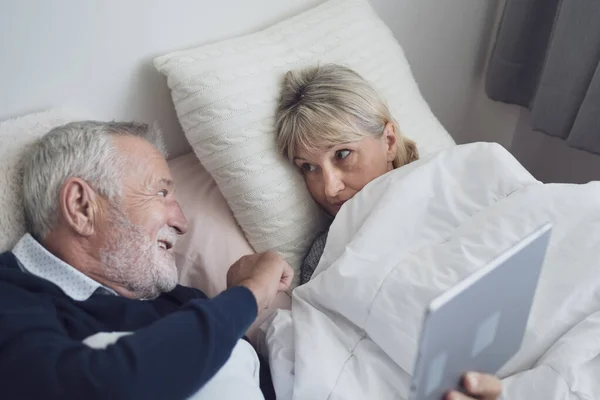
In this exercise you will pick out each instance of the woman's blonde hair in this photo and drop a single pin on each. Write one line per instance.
(326, 105)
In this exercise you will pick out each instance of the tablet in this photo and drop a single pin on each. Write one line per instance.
(478, 324)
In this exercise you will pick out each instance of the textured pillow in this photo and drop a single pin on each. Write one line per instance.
(15, 135)
(226, 93)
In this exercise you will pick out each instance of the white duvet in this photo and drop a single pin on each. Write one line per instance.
(411, 234)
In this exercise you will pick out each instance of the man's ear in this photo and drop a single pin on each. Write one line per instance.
(79, 206)
(391, 141)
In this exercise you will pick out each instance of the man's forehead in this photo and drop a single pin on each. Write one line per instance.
(131, 143)
(147, 166)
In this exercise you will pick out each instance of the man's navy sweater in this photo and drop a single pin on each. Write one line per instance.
(181, 340)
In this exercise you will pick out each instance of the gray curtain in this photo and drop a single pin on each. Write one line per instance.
(547, 58)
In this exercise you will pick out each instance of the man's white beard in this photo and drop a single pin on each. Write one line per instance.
(135, 261)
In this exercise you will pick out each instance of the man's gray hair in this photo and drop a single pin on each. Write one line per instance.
(83, 149)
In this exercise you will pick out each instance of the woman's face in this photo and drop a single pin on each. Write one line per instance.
(333, 176)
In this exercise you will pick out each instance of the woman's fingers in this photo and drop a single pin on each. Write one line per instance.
(454, 395)
(482, 385)
(478, 386)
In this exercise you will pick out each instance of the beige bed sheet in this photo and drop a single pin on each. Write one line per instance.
(214, 240)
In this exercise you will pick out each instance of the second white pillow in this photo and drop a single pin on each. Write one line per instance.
(226, 94)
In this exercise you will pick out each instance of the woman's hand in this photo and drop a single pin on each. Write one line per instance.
(478, 386)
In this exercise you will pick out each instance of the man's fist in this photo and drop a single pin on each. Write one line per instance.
(265, 274)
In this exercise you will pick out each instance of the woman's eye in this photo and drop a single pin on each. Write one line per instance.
(308, 167)
(163, 192)
(341, 154)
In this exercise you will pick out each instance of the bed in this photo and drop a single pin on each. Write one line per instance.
(118, 79)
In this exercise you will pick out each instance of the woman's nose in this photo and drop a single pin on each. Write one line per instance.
(333, 183)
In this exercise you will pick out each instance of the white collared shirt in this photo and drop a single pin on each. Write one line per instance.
(36, 260)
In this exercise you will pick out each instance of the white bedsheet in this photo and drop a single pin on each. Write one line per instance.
(411, 234)
(238, 378)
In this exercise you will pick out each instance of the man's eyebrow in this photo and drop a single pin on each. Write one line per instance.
(166, 182)
(299, 159)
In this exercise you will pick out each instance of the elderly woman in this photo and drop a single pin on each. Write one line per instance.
(334, 126)
(339, 132)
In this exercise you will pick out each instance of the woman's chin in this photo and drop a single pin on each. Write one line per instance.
(333, 210)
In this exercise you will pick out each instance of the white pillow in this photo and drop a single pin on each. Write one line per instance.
(15, 135)
(226, 94)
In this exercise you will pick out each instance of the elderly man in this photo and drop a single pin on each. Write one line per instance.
(89, 301)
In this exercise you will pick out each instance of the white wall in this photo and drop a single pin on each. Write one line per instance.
(96, 55)
(487, 120)
(446, 43)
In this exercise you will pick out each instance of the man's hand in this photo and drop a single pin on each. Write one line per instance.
(479, 386)
(265, 274)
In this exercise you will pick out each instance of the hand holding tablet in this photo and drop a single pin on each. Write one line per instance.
(478, 324)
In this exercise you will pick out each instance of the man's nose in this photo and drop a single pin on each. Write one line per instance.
(176, 218)
(333, 182)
